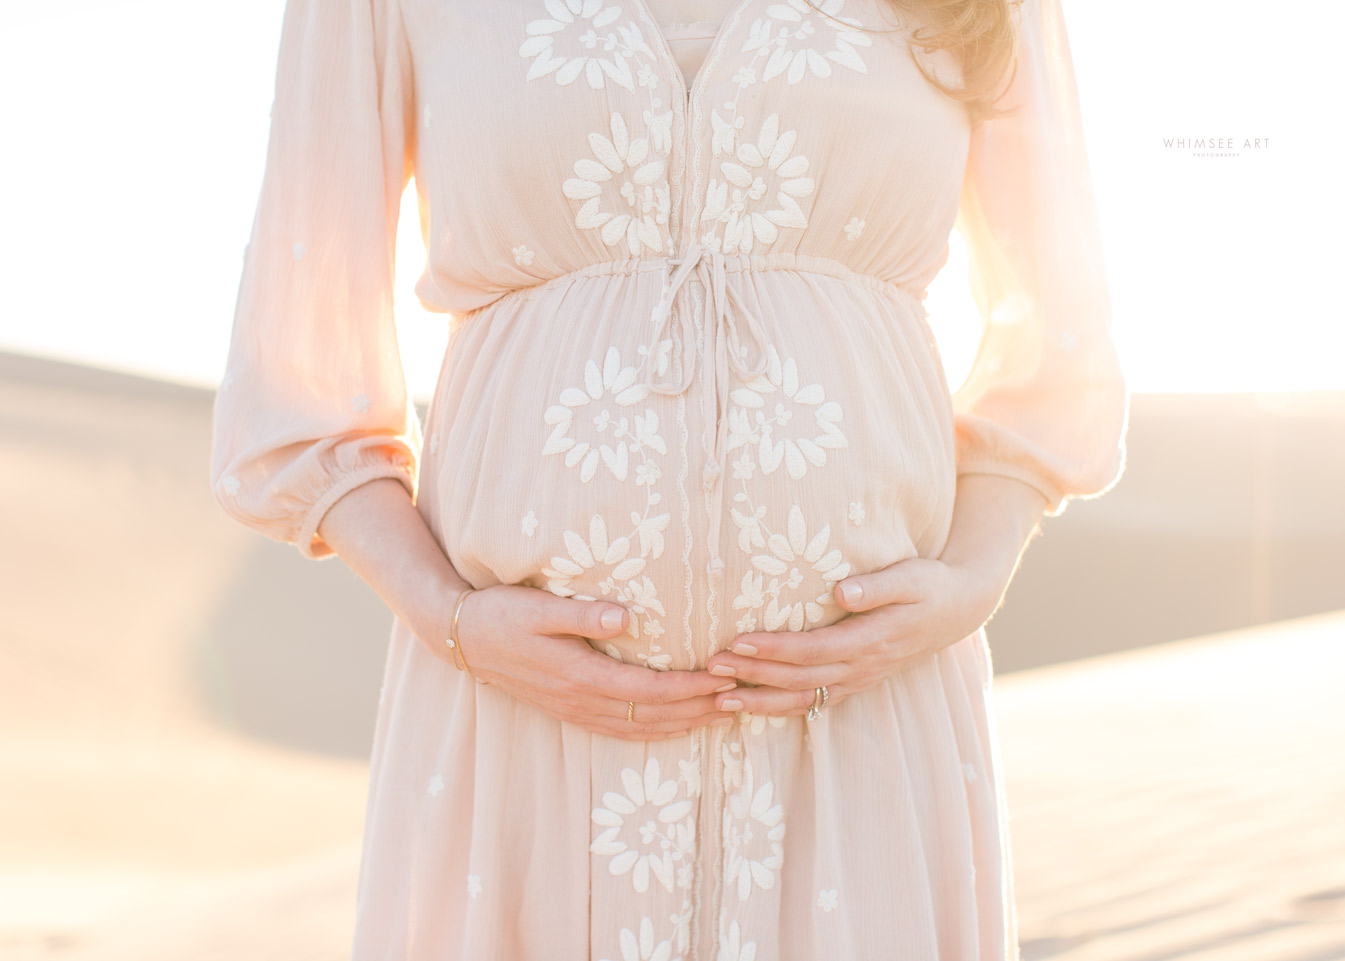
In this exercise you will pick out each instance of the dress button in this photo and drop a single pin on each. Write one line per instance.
(711, 472)
(716, 565)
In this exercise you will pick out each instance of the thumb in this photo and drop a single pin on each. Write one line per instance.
(900, 583)
(589, 618)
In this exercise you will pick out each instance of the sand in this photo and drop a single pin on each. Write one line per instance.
(186, 708)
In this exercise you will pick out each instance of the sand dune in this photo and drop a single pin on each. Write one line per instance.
(186, 708)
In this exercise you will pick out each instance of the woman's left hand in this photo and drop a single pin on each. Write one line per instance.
(903, 611)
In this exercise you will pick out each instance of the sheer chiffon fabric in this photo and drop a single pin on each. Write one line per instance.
(689, 371)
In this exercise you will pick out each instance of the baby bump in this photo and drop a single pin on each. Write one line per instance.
(840, 453)
(556, 466)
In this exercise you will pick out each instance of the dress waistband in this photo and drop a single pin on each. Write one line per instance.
(912, 296)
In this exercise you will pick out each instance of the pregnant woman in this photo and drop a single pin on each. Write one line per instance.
(691, 558)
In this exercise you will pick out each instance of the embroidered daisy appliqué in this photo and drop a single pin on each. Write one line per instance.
(360, 403)
(827, 899)
(734, 201)
(436, 786)
(732, 947)
(661, 827)
(529, 523)
(856, 513)
(753, 424)
(786, 554)
(854, 228)
(522, 255)
(299, 250)
(789, 25)
(230, 485)
(643, 187)
(474, 885)
(586, 18)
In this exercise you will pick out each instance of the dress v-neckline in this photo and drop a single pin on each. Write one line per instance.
(696, 87)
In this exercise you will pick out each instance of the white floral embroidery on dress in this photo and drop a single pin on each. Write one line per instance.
(969, 772)
(664, 828)
(522, 255)
(781, 564)
(781, 37)
(856, 513)
(827, 899)
(231, 485)
(626, 582)
(750, 425)
(436, 786)
(623, 43)
(732, 947)
(529, 523)
(631, 162)
(754, 826)
(788, 25)
(691, 774)
(474, 885)
(854, 228)
(360, 403)
(299, 250)
(644, 189)
(735, 201)
(643, 947)
(637, 434)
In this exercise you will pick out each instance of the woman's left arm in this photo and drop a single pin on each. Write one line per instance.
(906, 610)
(1040, 418)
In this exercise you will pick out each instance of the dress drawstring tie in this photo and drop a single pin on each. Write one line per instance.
(724, 341)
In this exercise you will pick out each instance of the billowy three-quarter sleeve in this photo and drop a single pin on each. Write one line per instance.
(1045, 401)
(314, 402)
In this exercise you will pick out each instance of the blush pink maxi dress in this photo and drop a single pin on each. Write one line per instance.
(690, 371)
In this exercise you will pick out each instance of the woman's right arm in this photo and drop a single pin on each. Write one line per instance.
(526, 641)
(313, 428)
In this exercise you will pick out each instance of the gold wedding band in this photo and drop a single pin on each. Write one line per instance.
(630, 711)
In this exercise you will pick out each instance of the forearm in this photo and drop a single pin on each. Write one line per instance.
(994, 518)
(381, 536)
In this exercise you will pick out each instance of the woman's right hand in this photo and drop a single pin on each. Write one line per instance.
(525, 640)
(531, 644)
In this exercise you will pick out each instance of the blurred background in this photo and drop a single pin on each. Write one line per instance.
(186, 708)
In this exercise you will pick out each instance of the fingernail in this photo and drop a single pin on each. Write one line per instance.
(611, 619)
(727, 687)
(730, 704)
(743, 648)
(851, 592)
(723, 670)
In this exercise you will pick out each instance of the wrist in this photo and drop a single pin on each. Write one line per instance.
(983, 586)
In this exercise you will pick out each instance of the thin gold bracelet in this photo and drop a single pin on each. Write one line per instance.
(459, 659)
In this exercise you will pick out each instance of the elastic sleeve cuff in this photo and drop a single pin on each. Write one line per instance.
(1055, 497)
(307, 540)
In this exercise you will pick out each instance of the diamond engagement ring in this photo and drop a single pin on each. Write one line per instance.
(819, 702)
